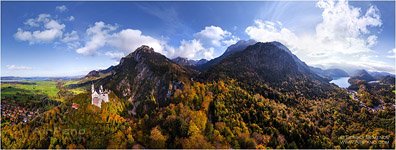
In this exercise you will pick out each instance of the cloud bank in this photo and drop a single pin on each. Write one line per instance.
(125, 41)
(205, 43)
(343, 39)
(15, 67)
(61, 8)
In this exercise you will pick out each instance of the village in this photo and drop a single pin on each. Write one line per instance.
(16, 114)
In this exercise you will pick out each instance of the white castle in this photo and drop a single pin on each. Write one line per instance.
(98, 98)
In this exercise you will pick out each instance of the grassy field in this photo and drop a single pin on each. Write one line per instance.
(22, 90)
(71, 82)
(77, 91)
(74, 90)
(38, 87)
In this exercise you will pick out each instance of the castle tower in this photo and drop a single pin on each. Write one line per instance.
(92, 88)
(101, 89)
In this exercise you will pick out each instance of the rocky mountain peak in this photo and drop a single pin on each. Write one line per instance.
(188, 62)
(144, 48)
(140, 53)
(240, 45)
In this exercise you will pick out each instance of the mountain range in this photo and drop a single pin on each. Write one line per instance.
(266, 68)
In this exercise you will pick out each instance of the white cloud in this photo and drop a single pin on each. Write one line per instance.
(204, 45)
(207, 43)
(23, 35)
(15, 67)
(189, 49)
(52, 30)
(371, 40)
(98, 35)
(270, 31)
(115, 55)
(128, 40)
(392, 52)
(72, 36)
(31, 22)
(62, 8)
(343, 37)
(208, 54)
(212, 35)
(43, 17)
(71, 40)
(232, 40)
(71, 18)
(340, 20)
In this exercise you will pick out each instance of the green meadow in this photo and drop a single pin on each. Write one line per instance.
(75, 91)
(48, 88)
(31, 94)
(37, 87)
(71, 82)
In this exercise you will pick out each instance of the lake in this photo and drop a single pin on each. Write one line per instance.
(341, 82)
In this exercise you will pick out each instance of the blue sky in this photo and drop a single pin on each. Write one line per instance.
(72, 38)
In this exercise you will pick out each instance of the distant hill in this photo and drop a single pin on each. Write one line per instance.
(389, 79)
(379, 75)
(14, 78)
(362, 75)
(98, 73)
(187, 62)
(329, 74)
